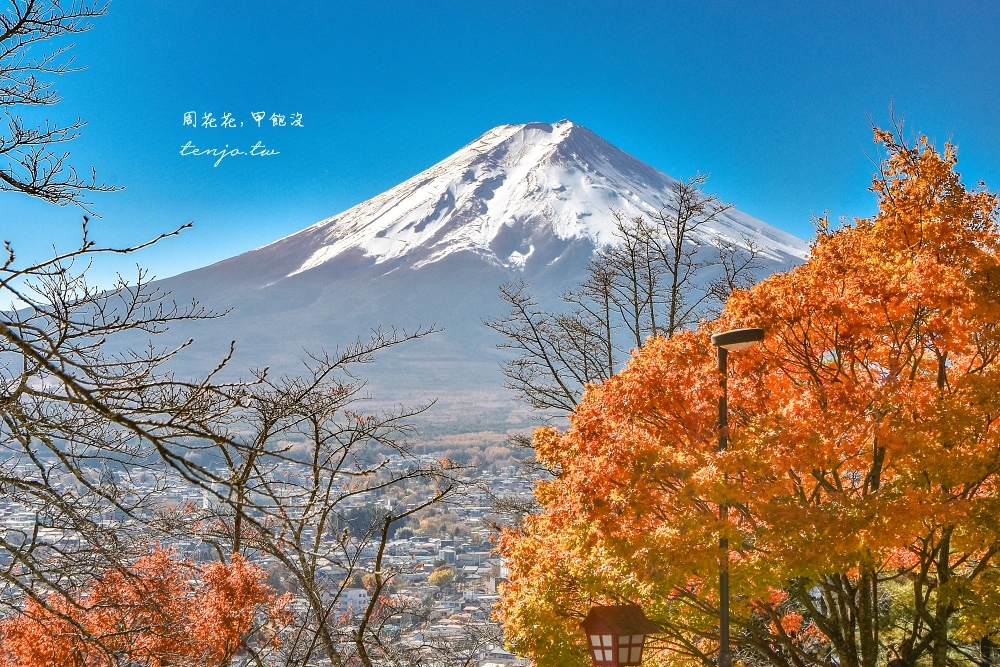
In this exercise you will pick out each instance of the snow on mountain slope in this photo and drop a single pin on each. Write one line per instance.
(523, 201)
(506, 197)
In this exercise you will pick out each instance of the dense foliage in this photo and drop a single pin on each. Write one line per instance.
(161, 611)
(862, 468)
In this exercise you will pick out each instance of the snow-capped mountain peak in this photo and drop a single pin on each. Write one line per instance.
(529, 201)
(514, 196)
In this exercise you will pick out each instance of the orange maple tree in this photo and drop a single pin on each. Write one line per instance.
(862, 469)
(162, 611)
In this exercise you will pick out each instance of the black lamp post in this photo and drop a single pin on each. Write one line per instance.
(726, 342)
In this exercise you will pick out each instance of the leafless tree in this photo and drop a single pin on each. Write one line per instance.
(305, 458)
(674, 242)
(635, 277)
(659, 277)
(739, 265)
(36, 164)
(104, 451)
(558, 354)
(81, 426)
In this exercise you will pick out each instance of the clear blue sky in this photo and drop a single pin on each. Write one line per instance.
(772, 98)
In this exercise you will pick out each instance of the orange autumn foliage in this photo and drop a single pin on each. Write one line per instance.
(160, 612)
(863, 464)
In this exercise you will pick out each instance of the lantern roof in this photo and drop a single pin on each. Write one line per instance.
(619, 620)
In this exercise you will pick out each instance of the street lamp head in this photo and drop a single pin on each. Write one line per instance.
(737, 339)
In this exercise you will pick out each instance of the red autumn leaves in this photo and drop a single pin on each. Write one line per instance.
(161, 611)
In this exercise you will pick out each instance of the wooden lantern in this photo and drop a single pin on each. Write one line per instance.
(616, 634)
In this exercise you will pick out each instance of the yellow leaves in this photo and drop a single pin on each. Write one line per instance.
(546, 443)
(441, 577)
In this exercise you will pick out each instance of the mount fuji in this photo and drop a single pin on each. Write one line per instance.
(531, 201)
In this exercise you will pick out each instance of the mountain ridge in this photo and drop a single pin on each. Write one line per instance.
(559, 178)
(530, 201)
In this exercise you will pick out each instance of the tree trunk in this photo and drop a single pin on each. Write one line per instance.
(943, 609)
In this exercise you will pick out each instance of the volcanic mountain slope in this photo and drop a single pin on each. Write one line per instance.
(529, 201)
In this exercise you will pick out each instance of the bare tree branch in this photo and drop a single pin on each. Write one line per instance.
(35, 164)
